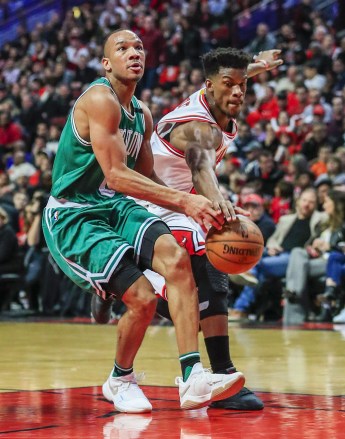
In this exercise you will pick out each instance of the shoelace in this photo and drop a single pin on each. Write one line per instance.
(130, 386)
(205, 371)
(137, 378)
(208, 373)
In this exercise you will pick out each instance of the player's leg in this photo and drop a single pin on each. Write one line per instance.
(129, 285)
(197, 386)
(213, 307)
(101, 308)
(173, 262)
(101, 261)
(156, 249)
(213, 287)
(213, 290)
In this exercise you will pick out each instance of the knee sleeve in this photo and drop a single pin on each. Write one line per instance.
(213, 287)
(124, 275)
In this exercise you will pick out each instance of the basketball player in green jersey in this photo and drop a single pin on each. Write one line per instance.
(103, 240)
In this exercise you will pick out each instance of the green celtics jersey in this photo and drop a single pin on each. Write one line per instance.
(77, 176)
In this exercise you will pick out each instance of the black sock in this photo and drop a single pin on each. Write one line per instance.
(219, 354)
(121, 371)
(187, 362)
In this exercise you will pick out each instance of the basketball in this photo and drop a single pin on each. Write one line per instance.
(236, 248)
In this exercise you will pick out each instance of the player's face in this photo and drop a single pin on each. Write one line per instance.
(125, 56)
(228, 89)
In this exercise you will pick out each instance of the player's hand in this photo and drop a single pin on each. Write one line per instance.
(271, 59)
(226, 208)
(240, 211)
(203, 212)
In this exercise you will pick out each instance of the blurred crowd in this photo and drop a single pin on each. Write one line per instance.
(287, 161)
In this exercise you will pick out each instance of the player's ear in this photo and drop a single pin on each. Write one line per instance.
(209, 85)
(106, 64)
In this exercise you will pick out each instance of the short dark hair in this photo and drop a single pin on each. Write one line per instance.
(112, 32)
(214, 60)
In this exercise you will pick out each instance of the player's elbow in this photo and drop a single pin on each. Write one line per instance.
(116, 180)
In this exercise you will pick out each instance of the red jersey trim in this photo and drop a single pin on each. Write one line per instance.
(188, 119)
(172, 149)
(205, 104)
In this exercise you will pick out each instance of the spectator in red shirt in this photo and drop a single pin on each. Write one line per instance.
(287, 145)
(287, 101)
(281, 203)
(269, 107)
(153, 42)
(302, 98)
(10, 132)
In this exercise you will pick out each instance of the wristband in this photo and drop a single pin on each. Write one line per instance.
(264, 62)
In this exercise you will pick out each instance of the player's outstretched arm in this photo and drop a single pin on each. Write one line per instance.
(104, 114)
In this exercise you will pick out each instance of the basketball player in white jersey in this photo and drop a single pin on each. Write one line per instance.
(187, 144)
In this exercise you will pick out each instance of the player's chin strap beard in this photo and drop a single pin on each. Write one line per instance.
(212, 104)
(230, 126)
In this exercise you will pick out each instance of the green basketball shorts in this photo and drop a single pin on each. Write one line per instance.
(88, 242)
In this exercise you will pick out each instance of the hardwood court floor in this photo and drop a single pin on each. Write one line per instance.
(51, 376)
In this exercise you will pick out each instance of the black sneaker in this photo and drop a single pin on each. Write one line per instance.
(101, 310)
(245, 399)
(331, 292)
(291, 296)
(325, 315)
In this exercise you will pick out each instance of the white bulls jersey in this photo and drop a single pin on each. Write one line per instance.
(170, 164)
(171, 167)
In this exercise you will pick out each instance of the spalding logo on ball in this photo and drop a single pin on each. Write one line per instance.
(236, 248)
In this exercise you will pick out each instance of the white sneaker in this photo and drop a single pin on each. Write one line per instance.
(202, 387)
(126, 395)
(340, 318)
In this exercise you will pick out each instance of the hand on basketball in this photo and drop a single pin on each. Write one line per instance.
(240, 211)
(271, 58)
(236, 248)
(225, 208)
(229, 211)
(203, 212)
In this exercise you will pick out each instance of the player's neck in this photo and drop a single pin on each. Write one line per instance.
(222, 119)
(124, 92)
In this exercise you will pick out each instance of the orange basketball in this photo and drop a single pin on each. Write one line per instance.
(236, 248)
